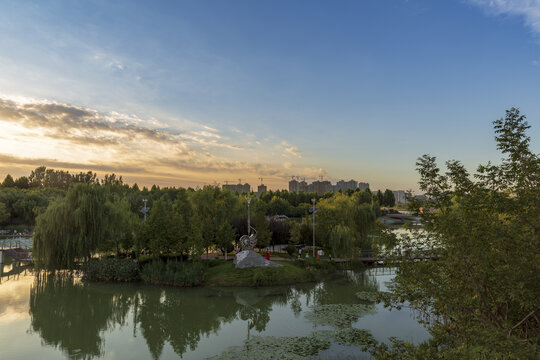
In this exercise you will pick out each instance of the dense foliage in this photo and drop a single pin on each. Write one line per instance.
(173, 273)
(71, 228)
(481, 299)
(110, 269)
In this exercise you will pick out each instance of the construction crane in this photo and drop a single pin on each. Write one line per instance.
(261, 180)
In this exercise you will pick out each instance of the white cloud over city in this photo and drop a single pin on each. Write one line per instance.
(38, 132)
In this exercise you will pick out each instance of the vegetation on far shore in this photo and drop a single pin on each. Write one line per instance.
(206, 273)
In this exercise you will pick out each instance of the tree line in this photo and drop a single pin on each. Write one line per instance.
(78, 215)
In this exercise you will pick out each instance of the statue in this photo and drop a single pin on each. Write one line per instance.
(249, 258)
(249, 242)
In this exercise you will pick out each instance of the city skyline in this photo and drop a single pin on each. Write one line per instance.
(193, 93)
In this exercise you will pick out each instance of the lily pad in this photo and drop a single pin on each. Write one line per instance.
(338, 315)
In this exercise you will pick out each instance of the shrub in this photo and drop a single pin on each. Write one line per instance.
(291, 250)
(110, 269)
(173, 273)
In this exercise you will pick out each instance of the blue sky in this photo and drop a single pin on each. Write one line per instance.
(194, 92)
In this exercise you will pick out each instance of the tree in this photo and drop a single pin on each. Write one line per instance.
(344, 214)
(215, 209)
(380, 197)
(278, 206)
(71, 229)
(4, 214)
(22, 183)
(160, 228)
(122, 225)
(481, 297)
(8, 182)
(302, 232)
(188, 234)
(388, 198)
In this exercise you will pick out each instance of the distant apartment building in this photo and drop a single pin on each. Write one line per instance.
(400, 196)
(345, 185)
(297, 186)
(238, 188)
(363, 186)
(261, 189)
(322, 187)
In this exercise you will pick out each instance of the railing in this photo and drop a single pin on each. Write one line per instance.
(12, 242)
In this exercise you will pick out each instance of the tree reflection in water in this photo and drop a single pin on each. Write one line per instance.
(74, 317)
(70, 317)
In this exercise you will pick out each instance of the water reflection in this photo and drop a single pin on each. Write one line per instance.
(70, 316)
(75, 317)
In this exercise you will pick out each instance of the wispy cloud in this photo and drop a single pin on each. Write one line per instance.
(35, 132)
(528, 9)
(290, 150)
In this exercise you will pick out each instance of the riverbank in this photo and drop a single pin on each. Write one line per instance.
(225, 274)
(210, 273)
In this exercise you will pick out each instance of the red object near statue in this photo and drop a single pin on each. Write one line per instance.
(267, 257)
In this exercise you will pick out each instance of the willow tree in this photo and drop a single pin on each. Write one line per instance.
(70, 229)
(346, 220)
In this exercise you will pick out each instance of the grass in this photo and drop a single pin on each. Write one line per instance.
(225, 274)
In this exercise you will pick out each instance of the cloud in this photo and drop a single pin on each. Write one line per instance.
(35, 162)
(290, 150)
(86, 126)
(528, 9)
(75, 138)
(314, 172)
(287, 165)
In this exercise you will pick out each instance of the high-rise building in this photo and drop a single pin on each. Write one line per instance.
(345, 185)
(363, 185)
(261, 189)
(293, 185)
(238, 188)
(322, 187)
(400, 196)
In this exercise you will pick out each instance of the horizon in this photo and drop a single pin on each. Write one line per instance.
(199, 93)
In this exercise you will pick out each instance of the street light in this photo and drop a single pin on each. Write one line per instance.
(145, 209)
(313, 200)
(249, 225)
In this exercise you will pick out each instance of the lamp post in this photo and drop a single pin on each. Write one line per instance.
(144, 210)
(249, 225)
(313, 200)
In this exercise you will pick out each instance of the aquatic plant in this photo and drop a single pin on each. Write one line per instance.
(369, 296)
(270, 347)
(338, 315)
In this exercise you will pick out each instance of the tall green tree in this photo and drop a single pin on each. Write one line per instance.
(215, 209)
(71, 229)
(388, 198)
(481, 298)
(344, 214)
(121, 229)
(8, 182)
(160, 228)
(187, 228)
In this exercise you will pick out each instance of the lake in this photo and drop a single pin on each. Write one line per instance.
(59, 317)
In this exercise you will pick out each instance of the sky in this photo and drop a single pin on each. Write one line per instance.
(188, 93)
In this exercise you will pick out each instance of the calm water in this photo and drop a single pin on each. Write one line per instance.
(52, 318)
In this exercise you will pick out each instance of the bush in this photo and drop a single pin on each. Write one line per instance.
(173, 273)
(110, 269)
(263, 277)
(291, 250)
